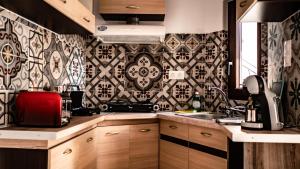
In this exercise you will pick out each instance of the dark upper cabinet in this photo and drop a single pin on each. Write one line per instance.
(265, 10)
(60, 16)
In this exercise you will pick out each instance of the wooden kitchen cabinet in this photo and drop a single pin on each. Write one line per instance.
(76, 11)
(128, 147)
(77, 153)
(131, 7)
(184, 146)
(143, 146)
(173, 156)
(201, 160)
(113, 147)
(242, 6)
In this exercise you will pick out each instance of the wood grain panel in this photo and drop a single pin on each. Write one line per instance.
(67, 155)
(144, 146)
(174, 129)
(271, 156)
(201, 160)
(209, 137)
(113, 147)
(121, 6)
(173, 156)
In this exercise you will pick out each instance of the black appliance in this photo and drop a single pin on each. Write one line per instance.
(126, 106)
(264, 112)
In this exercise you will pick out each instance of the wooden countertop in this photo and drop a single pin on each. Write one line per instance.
(45, 138)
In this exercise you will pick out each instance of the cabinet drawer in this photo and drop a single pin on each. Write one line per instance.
(74, 10)
(144, 146)
(131, 7)
(77, 153)
(201, 160)
(173, 156)
(113, 134)
(174, 129)
(208, 137)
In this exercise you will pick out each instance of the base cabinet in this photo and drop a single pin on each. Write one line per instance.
(201, 160)
(128, 147)
(78, 153)
(173, 156)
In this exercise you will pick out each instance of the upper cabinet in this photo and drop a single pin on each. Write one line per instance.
(265, 10)
(60, 16)
(76, 11)
(122, 9)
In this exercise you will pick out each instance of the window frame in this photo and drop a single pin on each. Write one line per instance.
(234, 92)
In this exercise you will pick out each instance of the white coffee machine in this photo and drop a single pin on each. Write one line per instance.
(264, 104)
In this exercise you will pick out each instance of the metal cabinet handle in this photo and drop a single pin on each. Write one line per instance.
(67, 151)
(64, 1)
(243, 3)
(86, 19)
(205, 134)
(133, 7)
(145, 130)
(89, 139)
(112, 133)
(173, 127)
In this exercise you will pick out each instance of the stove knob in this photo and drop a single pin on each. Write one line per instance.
(156, 107)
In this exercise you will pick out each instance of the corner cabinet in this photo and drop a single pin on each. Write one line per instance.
(76, 11)
(128, 147)
(185, 146)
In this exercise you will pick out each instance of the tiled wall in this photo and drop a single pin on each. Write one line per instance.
(277, 34)
(32, 57)
(141, 72)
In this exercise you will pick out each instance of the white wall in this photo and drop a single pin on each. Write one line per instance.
(188, 16)
(195, 16)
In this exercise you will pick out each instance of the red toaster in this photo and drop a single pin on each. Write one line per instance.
(40, 109)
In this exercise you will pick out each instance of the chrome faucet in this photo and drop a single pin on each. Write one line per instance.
(222, 93)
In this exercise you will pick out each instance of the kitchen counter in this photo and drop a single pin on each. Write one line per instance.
(236, 134)
(43, 138)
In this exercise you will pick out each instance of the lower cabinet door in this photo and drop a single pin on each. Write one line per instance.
(77, 153)
(143, 146)
(113, 147)
(173, 156)
(201, 160)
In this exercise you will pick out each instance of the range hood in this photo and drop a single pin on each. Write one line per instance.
(136, 34)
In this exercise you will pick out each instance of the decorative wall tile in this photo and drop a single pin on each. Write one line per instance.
(145, 70)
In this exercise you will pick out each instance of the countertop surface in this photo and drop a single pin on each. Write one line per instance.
(234, 132)
(77, 123)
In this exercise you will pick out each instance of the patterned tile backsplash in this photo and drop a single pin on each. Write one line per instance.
(32, 57)
(141, 72)
(277, 34)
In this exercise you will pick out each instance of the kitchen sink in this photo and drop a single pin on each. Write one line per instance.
(220, 118)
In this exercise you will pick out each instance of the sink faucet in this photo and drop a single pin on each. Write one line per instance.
(222, 93)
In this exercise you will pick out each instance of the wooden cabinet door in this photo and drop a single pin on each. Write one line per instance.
(201, 160)
(172, 156)
(131, 7)
(75, 10)
(113, 147)
(77, 153)
(143, 146)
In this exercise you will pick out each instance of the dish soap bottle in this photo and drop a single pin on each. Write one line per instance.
(196, 102)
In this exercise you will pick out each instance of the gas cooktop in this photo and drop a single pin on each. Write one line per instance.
(127, 106)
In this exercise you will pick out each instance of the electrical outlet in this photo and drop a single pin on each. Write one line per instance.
(176, 74)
